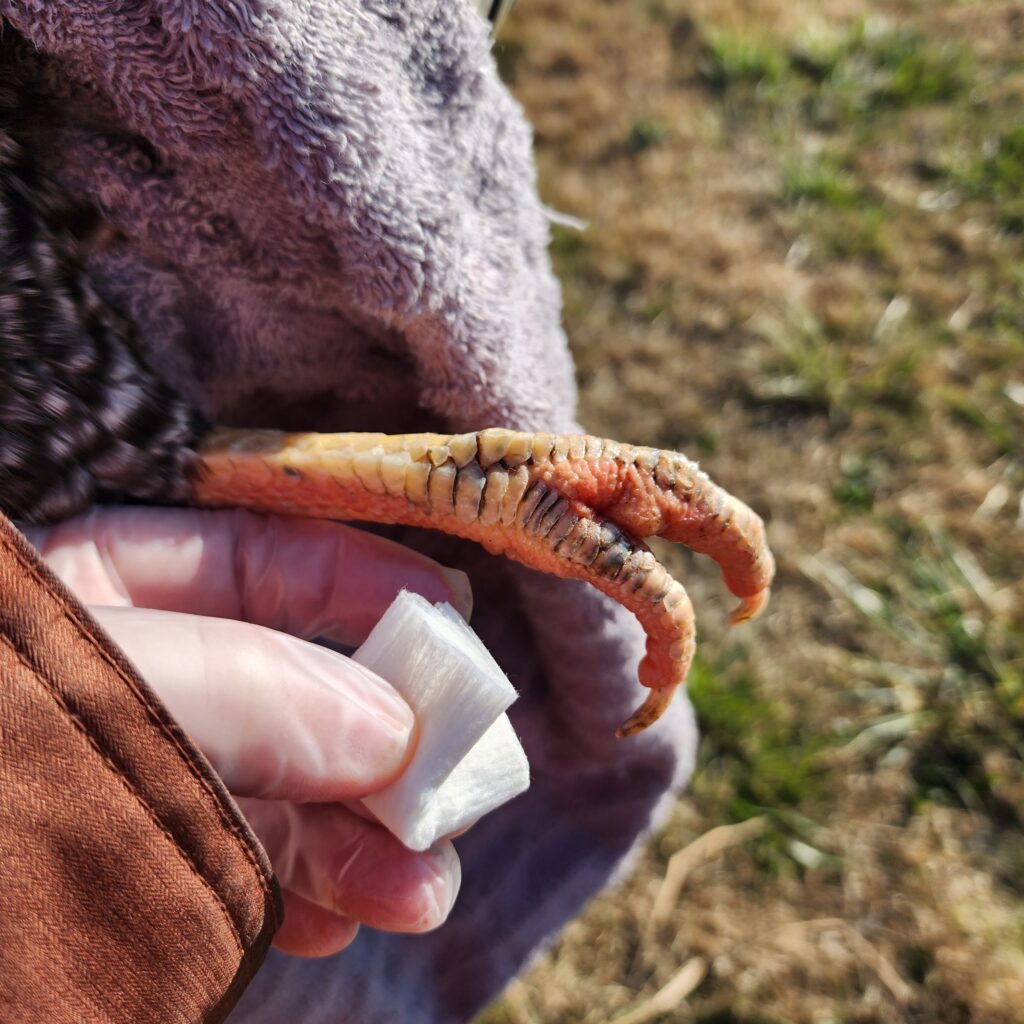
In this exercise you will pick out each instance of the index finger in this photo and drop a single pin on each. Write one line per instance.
(307, 577)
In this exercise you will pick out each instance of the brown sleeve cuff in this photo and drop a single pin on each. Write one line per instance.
(132, 889)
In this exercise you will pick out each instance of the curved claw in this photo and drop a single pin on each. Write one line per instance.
(750, 607)
(653, 707)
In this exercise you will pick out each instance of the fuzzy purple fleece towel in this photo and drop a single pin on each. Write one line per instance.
(330, 222)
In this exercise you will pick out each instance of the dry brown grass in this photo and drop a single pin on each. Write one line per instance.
(802, 266)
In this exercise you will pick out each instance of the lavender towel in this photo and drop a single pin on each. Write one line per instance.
(331, 222)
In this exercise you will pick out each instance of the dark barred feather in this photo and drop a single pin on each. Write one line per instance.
(82, 419)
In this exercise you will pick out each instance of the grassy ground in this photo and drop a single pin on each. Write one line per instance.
(804, 267)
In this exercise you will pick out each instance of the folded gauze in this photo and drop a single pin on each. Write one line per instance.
(467, 760)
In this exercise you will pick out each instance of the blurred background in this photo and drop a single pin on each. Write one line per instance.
(803, 267)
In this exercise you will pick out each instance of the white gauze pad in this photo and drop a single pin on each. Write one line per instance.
(468, 759)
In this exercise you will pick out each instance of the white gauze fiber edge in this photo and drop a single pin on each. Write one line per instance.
(468, 759)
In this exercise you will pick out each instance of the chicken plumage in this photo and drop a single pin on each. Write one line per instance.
(82, 418)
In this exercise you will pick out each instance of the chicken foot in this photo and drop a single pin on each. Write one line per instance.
(572, 505)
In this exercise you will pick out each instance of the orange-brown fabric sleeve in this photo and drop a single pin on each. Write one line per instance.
(131, 889)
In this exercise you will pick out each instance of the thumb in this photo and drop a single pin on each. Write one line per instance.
(278, 717)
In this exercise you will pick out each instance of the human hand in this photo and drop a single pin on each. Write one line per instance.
(212, 607)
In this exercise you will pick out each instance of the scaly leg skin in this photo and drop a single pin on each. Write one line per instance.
(575, 506)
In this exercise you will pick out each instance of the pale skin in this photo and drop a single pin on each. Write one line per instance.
(212, 608)
(572, 505)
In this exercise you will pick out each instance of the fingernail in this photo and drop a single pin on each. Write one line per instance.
(461, 590)
(444, 891)
(376, 696)
(385, 703)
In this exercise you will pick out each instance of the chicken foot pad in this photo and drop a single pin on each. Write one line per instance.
(572, 505)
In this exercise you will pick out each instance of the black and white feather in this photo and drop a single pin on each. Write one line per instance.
(82, 418)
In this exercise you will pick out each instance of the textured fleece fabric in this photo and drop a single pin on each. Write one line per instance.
(330, 221)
